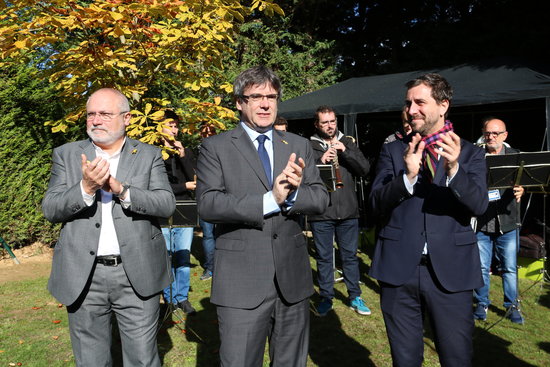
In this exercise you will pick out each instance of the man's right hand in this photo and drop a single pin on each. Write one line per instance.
(413, 157)
(329, 155)
(94, 174)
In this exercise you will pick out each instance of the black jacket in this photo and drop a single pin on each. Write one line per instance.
(505, 208)
(180, 170)
(343, 201)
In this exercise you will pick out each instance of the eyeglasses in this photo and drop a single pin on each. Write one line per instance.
(259, 97)
(103, 116)
(488, 134)
(331, 122)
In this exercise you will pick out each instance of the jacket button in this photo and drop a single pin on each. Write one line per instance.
(275, 236)
(92, 253)
(97, 225)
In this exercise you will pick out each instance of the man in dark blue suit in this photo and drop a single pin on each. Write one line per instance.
(427, 189)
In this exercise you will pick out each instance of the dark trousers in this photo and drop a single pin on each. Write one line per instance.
(243, 333)
(346, 234)
(450, 316)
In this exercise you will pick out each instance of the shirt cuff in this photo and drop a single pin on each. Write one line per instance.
(126, 202)
(88, 199)
(449, 179)
(270, 205)
(409, 186)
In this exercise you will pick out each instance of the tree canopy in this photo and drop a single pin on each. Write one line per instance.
(138, 47)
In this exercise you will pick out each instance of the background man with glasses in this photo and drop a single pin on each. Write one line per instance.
(110, 257)
(340, 221)
(254, 183)
(497, 229)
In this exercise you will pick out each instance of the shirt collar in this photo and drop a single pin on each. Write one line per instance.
(253, 134)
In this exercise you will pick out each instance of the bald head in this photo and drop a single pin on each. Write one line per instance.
(494, 133)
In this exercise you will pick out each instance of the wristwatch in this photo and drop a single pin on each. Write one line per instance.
(125, 188)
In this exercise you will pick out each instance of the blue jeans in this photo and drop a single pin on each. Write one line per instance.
(506, 250)
(346, 234)
(180, 251)
(208, 244)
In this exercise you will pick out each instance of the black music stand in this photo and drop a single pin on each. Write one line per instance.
(185, 215)
(328, 176)
(523, 169)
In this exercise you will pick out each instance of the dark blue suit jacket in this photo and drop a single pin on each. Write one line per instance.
(435, 213)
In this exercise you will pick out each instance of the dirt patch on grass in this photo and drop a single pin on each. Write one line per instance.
(34, 262)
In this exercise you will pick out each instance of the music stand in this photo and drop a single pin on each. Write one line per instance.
(520, 169)
(185, 215)
(328, 176)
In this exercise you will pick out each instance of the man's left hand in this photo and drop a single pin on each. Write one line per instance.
(289, 180)
(113, 186)
(518, 192)
(450, 142)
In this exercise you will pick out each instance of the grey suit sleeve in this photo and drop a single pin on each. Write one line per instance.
(63, 200)
(312, 195)
(155, 198)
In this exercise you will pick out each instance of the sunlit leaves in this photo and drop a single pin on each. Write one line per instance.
(135, 46)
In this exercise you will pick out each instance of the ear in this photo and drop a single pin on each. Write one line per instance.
(238, 104)
(443, 107)
(127, 118)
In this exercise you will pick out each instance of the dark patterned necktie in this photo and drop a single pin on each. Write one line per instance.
(264, 157)
(430, 161)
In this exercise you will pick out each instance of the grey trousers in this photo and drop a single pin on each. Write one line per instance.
(243, 333)
(110, 292)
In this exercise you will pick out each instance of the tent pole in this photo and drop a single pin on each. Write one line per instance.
(547, 123)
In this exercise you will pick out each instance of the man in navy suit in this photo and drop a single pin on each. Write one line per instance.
(426, 190)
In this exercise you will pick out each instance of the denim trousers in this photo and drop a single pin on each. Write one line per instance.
(346, 234)
(506, 250)
(208, 244)
(178, 243)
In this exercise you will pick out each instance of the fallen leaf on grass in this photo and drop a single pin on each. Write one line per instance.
(184, 331)
(55, 337)
(60, 305)
(21, 341)
(56, 321)
(36, 308)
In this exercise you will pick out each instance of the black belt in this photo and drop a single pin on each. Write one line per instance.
(109, 260)
(424, 260)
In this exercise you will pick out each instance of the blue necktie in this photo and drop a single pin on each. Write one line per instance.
(264, 158)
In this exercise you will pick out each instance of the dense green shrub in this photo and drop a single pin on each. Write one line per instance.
(25, 152)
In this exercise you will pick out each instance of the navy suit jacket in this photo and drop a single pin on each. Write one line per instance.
(435, 213)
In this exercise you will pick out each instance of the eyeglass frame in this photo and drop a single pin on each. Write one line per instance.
(103, 116)
(331, 122)
(257, 97)
(496, 134)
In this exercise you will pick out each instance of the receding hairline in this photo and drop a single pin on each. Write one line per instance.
(493, 119)
(124, 104)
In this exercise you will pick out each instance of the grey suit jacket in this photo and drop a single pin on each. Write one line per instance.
(142, 247)
(253, 250)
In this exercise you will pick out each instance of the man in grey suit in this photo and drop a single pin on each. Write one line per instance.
(254, 183)
(110, 257)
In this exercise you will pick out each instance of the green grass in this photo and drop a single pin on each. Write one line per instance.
(342, 338)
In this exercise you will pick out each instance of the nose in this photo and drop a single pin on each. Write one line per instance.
(412, 109)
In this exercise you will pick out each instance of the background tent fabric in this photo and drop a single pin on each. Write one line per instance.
(476, 84)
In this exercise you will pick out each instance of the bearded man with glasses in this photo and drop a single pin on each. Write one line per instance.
(110, 258)
(496, 231)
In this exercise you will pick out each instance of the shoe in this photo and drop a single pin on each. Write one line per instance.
(186, 307)
(359, 306)
(515, 316)
(324, 306)
(480, 313)
(207, 274)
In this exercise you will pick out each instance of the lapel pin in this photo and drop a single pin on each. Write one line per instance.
(285, 142)
(134, 151)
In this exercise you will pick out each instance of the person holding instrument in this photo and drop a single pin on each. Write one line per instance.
(180, 167)
(341, 218)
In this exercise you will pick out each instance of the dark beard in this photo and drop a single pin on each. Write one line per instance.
(323, 135)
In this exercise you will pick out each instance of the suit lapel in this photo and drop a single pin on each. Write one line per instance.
(128, 157)
(281, 152)
(245, 147)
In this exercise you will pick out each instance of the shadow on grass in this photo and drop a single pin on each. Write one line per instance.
(491, 350)
(200, 328)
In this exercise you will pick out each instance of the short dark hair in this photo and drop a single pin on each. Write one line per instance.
(441, 89)
(257, 75)
(322, 109)
(281, 121)
(170, 114)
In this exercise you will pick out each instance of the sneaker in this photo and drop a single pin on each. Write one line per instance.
(480, 313)
(515, 316)
(359, 306)
(207, 274)
(186, 307)
(324, 306)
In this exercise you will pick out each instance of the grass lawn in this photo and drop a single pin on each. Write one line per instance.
(34, 329)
